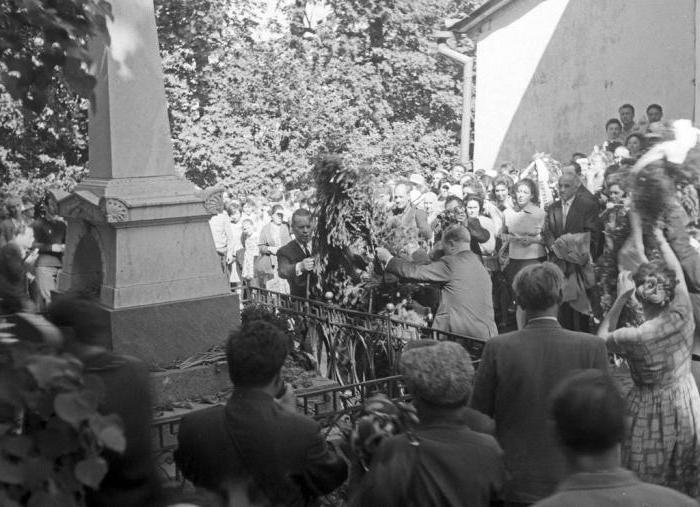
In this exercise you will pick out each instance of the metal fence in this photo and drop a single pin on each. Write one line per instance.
(327, 405)
(351, 346)
(358, 351)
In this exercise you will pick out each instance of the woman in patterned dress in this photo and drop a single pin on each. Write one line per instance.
(662, 444)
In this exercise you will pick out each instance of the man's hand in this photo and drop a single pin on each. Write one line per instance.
(229, 259)
(58, 247)
(273, 250)
(308, 264)
(383, 255)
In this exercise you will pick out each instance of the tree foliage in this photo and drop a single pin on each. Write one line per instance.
(251, 99)
(366, 82)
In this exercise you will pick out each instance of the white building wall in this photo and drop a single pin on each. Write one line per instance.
(550, 73)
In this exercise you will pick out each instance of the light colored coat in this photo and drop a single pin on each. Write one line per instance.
(466, 304)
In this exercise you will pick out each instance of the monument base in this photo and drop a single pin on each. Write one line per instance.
(166, 333)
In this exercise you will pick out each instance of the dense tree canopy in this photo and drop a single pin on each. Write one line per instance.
(253, 97)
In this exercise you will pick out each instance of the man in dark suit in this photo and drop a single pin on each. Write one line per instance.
(410, 215)
(517, 372)
(574, 212)
(258, 438)
(295, 260)
(466, 305)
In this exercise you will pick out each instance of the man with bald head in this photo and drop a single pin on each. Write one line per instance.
(466, 304)
(410, 215)
(572, 213)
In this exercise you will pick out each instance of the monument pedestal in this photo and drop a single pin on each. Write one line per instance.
(138, 238)
(143, 248)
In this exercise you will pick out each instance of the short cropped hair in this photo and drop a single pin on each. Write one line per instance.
(300, 213)
(457, 233)
(655, 106)
(255, 353)
(626, 106)
(539, 286)
(613, 121)
(453, 198)
(589, 412)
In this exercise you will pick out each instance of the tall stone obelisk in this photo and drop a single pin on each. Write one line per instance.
(138, 238)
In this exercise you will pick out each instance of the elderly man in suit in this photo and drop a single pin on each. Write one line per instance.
(466, 306)
(295, 260)
(517, 372)
(574, 212)
(410, 215)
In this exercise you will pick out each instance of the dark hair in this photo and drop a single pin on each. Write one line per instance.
(81, 315)
(613, 121)
(453, 198)
(301, 213)
(640, 137)
(589, 412)
(535, 196)
(255, 353)
(475, 197)
(503, 180)
(538, 286)
(626, 106)
(576, 156)
(275, 208)
(655, 106)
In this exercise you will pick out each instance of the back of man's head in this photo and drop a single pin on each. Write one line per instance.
(456, 234)
(538, 287)
(255, 353)
(588, 412)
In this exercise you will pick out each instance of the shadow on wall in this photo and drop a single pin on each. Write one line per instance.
(599, 55)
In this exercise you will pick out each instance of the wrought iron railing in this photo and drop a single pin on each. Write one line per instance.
(327, 405)
(352, 346)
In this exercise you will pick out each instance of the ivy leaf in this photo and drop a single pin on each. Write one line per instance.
(75, 407)
(47, 370)
(109, 431)
(91, 471)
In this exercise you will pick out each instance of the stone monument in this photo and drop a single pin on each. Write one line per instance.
(138, 237)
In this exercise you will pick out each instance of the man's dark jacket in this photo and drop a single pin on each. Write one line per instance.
(287, 258)
(516, 376)
(252, 437)
(582, 217)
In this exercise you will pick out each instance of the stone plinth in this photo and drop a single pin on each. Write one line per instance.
(138, 237)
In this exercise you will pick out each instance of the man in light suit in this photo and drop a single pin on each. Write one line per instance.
(295, 260)
(574, 212)
(466, 305)
(517, 372)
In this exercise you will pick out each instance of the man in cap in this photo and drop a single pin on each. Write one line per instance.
(442, 462)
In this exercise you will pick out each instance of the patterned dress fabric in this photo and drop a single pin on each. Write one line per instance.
(662, 444)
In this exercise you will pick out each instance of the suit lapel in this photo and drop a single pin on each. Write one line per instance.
(559, 218)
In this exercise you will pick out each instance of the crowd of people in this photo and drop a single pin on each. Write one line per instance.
(564, 250)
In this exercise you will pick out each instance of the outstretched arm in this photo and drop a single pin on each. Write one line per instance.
(671, 259)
